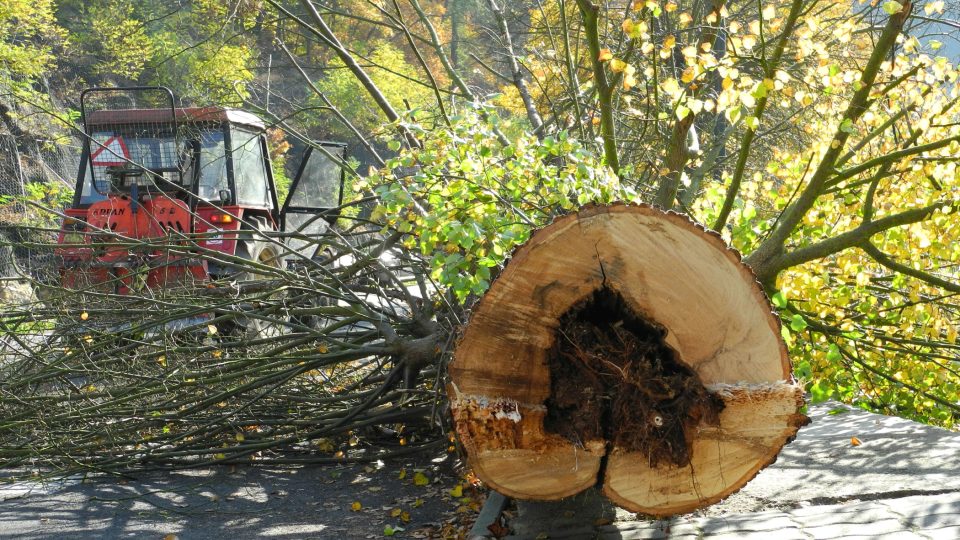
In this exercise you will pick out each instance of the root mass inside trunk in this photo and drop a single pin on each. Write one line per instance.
(613, 377)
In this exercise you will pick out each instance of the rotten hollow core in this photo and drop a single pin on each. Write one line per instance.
(612, 377)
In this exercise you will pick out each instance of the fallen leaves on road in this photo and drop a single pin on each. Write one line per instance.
(420, 479)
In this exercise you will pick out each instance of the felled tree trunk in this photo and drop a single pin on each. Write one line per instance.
(626, 347)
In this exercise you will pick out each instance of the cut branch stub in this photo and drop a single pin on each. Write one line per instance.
(628, 347)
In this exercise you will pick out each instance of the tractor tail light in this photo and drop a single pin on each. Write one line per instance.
(222, 218)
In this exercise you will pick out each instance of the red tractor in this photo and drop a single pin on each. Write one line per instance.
(162, 188)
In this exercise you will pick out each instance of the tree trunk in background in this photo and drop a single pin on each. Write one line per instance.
(627, 347)
(452, 12)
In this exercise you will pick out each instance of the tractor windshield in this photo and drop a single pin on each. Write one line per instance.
(159, 154)
(150, 150)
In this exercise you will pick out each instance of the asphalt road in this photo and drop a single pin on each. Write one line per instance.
(902, 480)
(903, 475)
(242, 502)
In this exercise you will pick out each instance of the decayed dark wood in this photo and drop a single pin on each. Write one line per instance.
(645, 321)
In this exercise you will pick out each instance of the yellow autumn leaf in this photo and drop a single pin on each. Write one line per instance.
(688, 75)
(356, 506)
(211, 329)
(605, 55)
(617, 65)
(629, 79)
(418, 503)
(669, 42)
(420, 479)
(855, 441)
(670, 86)
(162, 360)
(322, 348)
(84, 316)
(933, 7)
(457, 491)
(239, 437)
(627, 26)
(395, 512)
(405, 516)
(324, 445)
(403, 474)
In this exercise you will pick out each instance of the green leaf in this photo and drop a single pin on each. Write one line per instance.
(819, 392)
(733, 114)
(892, 7)
(394, 145)
(833, 354)
(779, 300)
(847, 126)
(797, 323)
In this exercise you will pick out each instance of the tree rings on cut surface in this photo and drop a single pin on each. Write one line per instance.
(626, 347)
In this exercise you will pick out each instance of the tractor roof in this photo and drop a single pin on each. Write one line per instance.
(184, 114)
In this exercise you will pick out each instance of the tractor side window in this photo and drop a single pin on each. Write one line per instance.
(89, 195)
(213, 165)
(249, 169)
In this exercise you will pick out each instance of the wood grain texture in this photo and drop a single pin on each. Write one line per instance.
(672, 272)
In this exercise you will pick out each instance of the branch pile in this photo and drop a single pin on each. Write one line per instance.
(327, 359)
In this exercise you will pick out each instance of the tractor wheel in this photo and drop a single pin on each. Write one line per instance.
(263, 253)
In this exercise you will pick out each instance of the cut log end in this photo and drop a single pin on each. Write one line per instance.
(628, 348)
(756, 421)
(510, 449)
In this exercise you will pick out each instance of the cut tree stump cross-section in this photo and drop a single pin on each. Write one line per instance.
(626, 347)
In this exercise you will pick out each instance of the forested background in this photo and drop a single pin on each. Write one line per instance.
(821, 139)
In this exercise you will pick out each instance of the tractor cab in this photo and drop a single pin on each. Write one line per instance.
(150, 170)
(215, 154)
